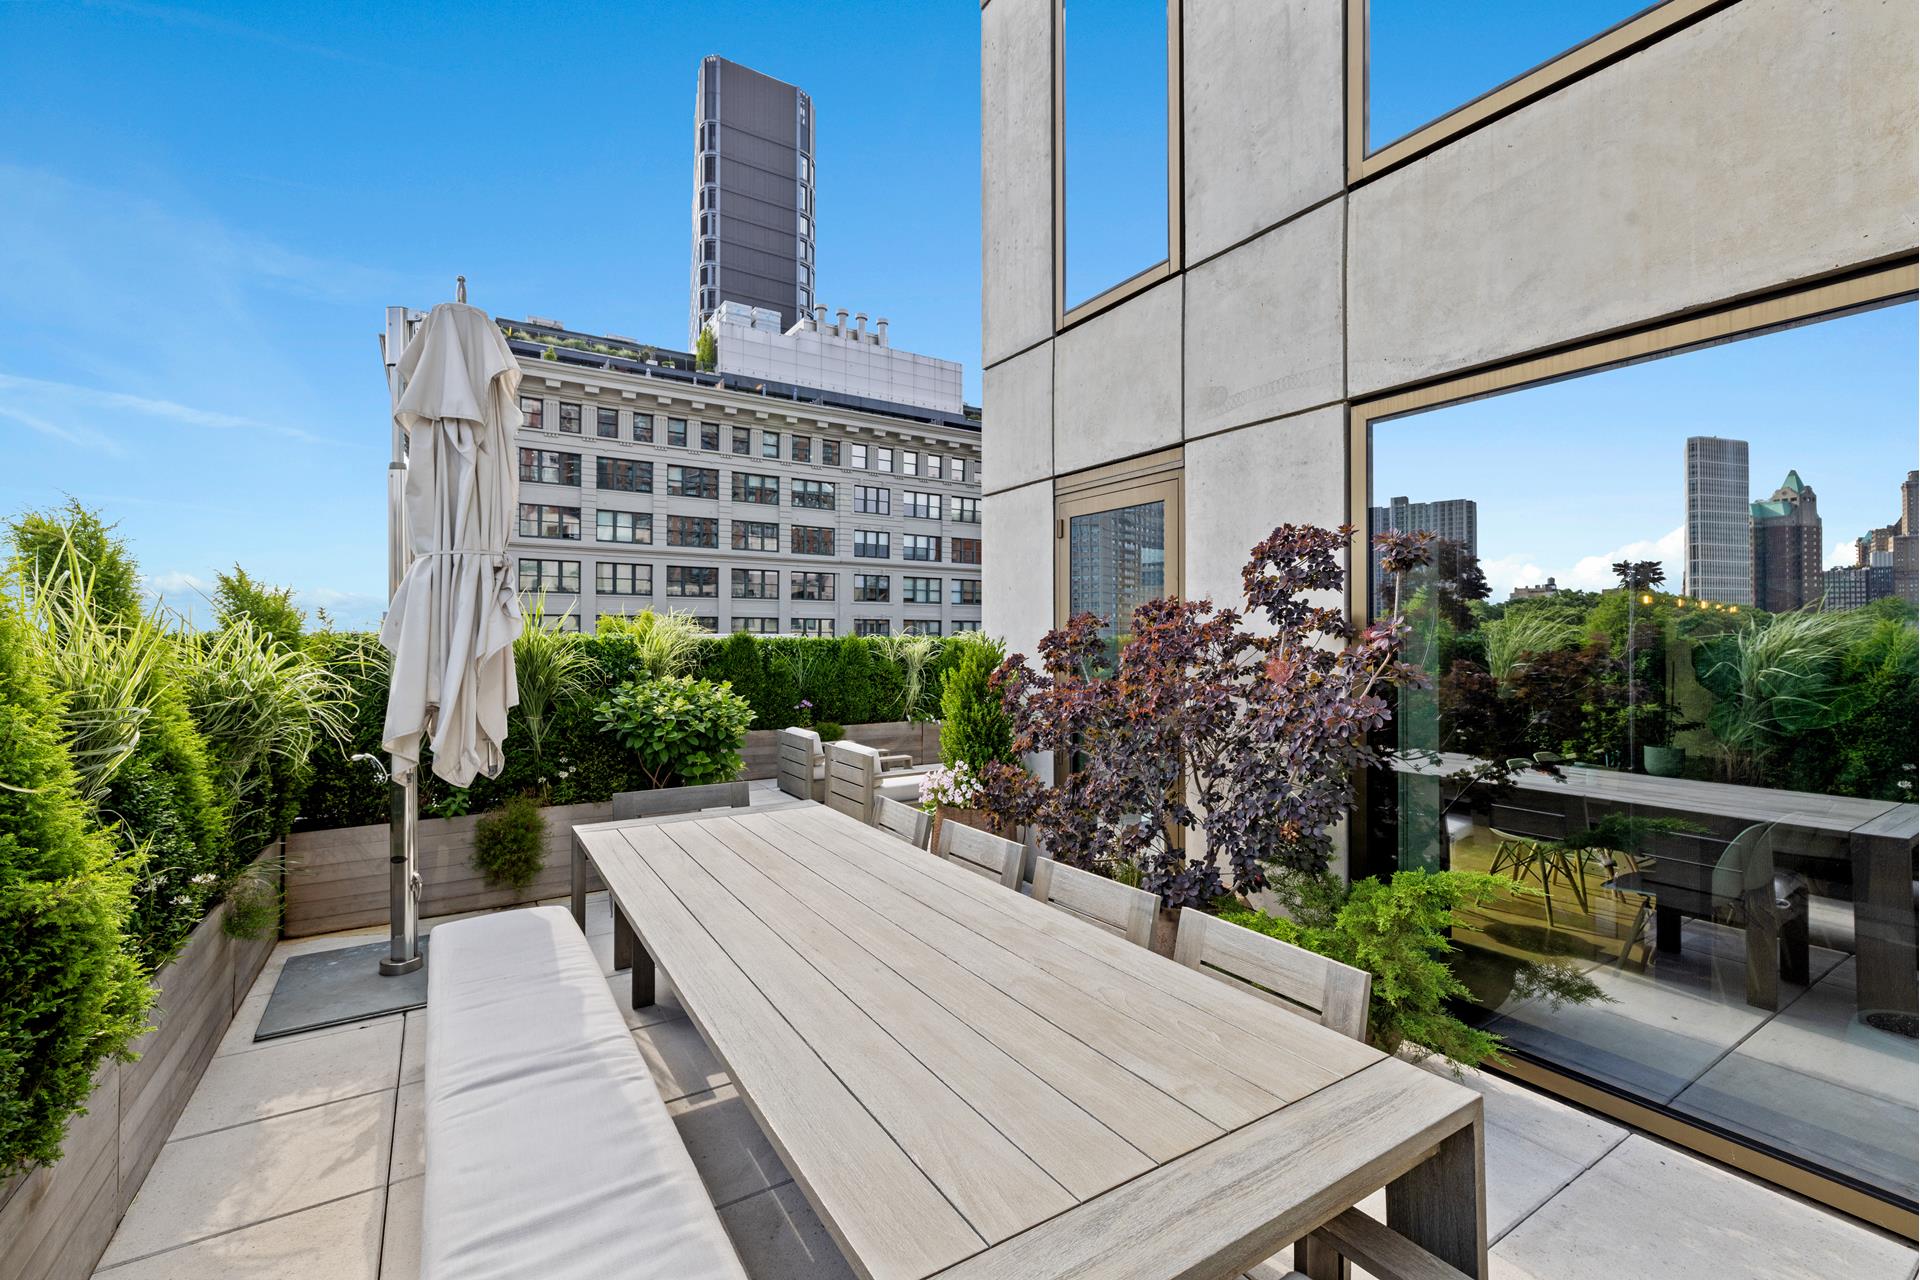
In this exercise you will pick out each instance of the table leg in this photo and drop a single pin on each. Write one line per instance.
(1666, 929)
(643, 977)
(1763, 950)
(1884, 924)
(579, 885)
(623, 944)
(1441, 1203)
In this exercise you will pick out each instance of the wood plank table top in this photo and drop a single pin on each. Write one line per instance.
(969, 1084)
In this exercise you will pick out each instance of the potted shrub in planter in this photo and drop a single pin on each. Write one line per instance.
(975, 734)
(952, 793)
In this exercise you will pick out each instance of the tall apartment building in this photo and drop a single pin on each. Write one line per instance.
(1287, 298)
(1897, 546)
(1719, 562)
(1786, 548)
(753, 184)
(1457, 520)
(752, 504)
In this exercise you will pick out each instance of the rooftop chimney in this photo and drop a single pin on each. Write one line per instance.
(860, 326)
(840, 328)
(820, 316)
(880, 331)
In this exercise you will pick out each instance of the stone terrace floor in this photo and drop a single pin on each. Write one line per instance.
(301, 1159)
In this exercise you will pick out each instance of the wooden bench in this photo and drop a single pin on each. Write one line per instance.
(552, 1153)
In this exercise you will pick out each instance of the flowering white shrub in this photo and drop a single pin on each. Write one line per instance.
(957, 787)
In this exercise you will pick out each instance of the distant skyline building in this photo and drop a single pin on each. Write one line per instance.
(1119, 563)
(1718, 555)
(1786, 548)
(753, 189)
(1455, 519)
(1897, 546)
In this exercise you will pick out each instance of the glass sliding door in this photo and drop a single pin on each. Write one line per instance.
(1118, 541)
(1671, 653)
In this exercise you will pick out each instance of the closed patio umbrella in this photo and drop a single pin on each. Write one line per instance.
(455, 612)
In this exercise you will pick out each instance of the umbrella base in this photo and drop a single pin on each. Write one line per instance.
(332, 988)
(394, 968)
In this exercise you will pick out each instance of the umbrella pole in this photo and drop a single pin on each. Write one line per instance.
(403, 798)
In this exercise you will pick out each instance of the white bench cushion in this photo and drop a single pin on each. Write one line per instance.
(549, 1152)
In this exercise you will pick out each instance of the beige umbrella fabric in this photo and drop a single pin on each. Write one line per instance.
(453, 620)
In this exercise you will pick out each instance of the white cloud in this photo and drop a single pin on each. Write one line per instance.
(1841, 554)
(1589, 573)
(71, 398)
(81, 436)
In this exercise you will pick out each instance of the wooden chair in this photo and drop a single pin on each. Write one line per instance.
(800, 767)
(1332, 994)
(903, 820)
(1115, 907)
(989, 855)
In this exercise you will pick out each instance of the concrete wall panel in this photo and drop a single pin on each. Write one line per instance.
(1265, 122)
(1018, 524)
(1016, 442)
(1264, 327)
(1116, 381)
(1242, 484)
(1759, 147)
(1016, 176)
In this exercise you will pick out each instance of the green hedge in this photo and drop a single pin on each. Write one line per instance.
(850, 680)
(70, 994)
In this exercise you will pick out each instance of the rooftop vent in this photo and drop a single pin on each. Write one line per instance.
(543, 321)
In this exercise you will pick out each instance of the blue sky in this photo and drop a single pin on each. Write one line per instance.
(1572, 476)
(204, 209)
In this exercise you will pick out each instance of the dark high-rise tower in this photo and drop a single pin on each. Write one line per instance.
(752, 194)
(1786, 548)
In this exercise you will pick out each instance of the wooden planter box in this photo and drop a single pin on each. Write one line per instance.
(56, 1221)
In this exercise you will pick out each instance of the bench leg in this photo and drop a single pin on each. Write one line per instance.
(1666, 930)
(1316, 1260)
(643, 977)
(1441, 1203)
(623, 946)
(579, 885)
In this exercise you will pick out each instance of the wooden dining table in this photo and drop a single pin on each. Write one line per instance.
(968, 1084)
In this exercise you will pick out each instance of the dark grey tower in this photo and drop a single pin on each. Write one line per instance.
(752, 194)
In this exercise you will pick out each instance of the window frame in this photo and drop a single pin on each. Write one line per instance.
(633, 568)
(638, 521)
(1155, 477)
(739, 530)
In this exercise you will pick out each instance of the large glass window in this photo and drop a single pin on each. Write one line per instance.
(871, 627)
(758, 626)
(964, 510)
(623, 526)
(549, 466)
(919, 590)
(919, 506)
(871, 588)
(764, 490)
(870, 499)
(613, 579)
(870, 544)
(756, 535)
(534, 410)
(693, 482)
(810, 540)
(919, 546)
(710, 436)
(570, 417)
(1426, 60)
(549, 575)
(816, 494)
(692, 580)
(920, 627)
(693, 531)
(541, 520)
(830, 453)
(966, 551)
(966, 591)
(811, 586)
(1114, 155)
(624, 475)
(811, 626)
(1672, 691)
(677, 432)
(1117, 561)
(606, 423)
(643, 428)
(756, 584)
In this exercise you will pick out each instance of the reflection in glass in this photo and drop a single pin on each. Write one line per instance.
(1707, 805)
(1425, 60)
(1114, 130)
(1117, 561)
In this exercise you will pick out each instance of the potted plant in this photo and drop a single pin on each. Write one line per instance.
(953, 793)
(975, 734)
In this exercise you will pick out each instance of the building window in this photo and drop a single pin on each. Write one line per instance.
(534, 410)
(677, 432)
(569, 418)
(693, 580)
(710, 436)
(635, 527)
(611, 578)
(606, 423)
(882, 459)
(811, 586)
(960, 470)
(693, 482)
(966, 591)
(707, 622)
(757, 626)
(965, 624)
(817, 494)
(624, 475)
(756, 584)
(810, 540)
(770, 444)
(550, 575)
(1112, 83)
(764, 490)
(966, 551)
(802, 450)
(539, 520)
(872, 588)
(830, 453)
(872, 500)
(964, 510)
(811, 626)
(549, 466)
(857, 456)
(919, 546)
(693, 531)
(870, 544)
(756, 535)
(909, 463)
(919, 506)
(871, 627)
(919, 590)
(920, 627)
(743, 440)
(643, 428)
(934, 466)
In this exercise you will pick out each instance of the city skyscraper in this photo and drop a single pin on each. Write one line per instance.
(1786, 548)
(1455, 519)
(753, 184)
(1719, 558)
(1896, 547)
